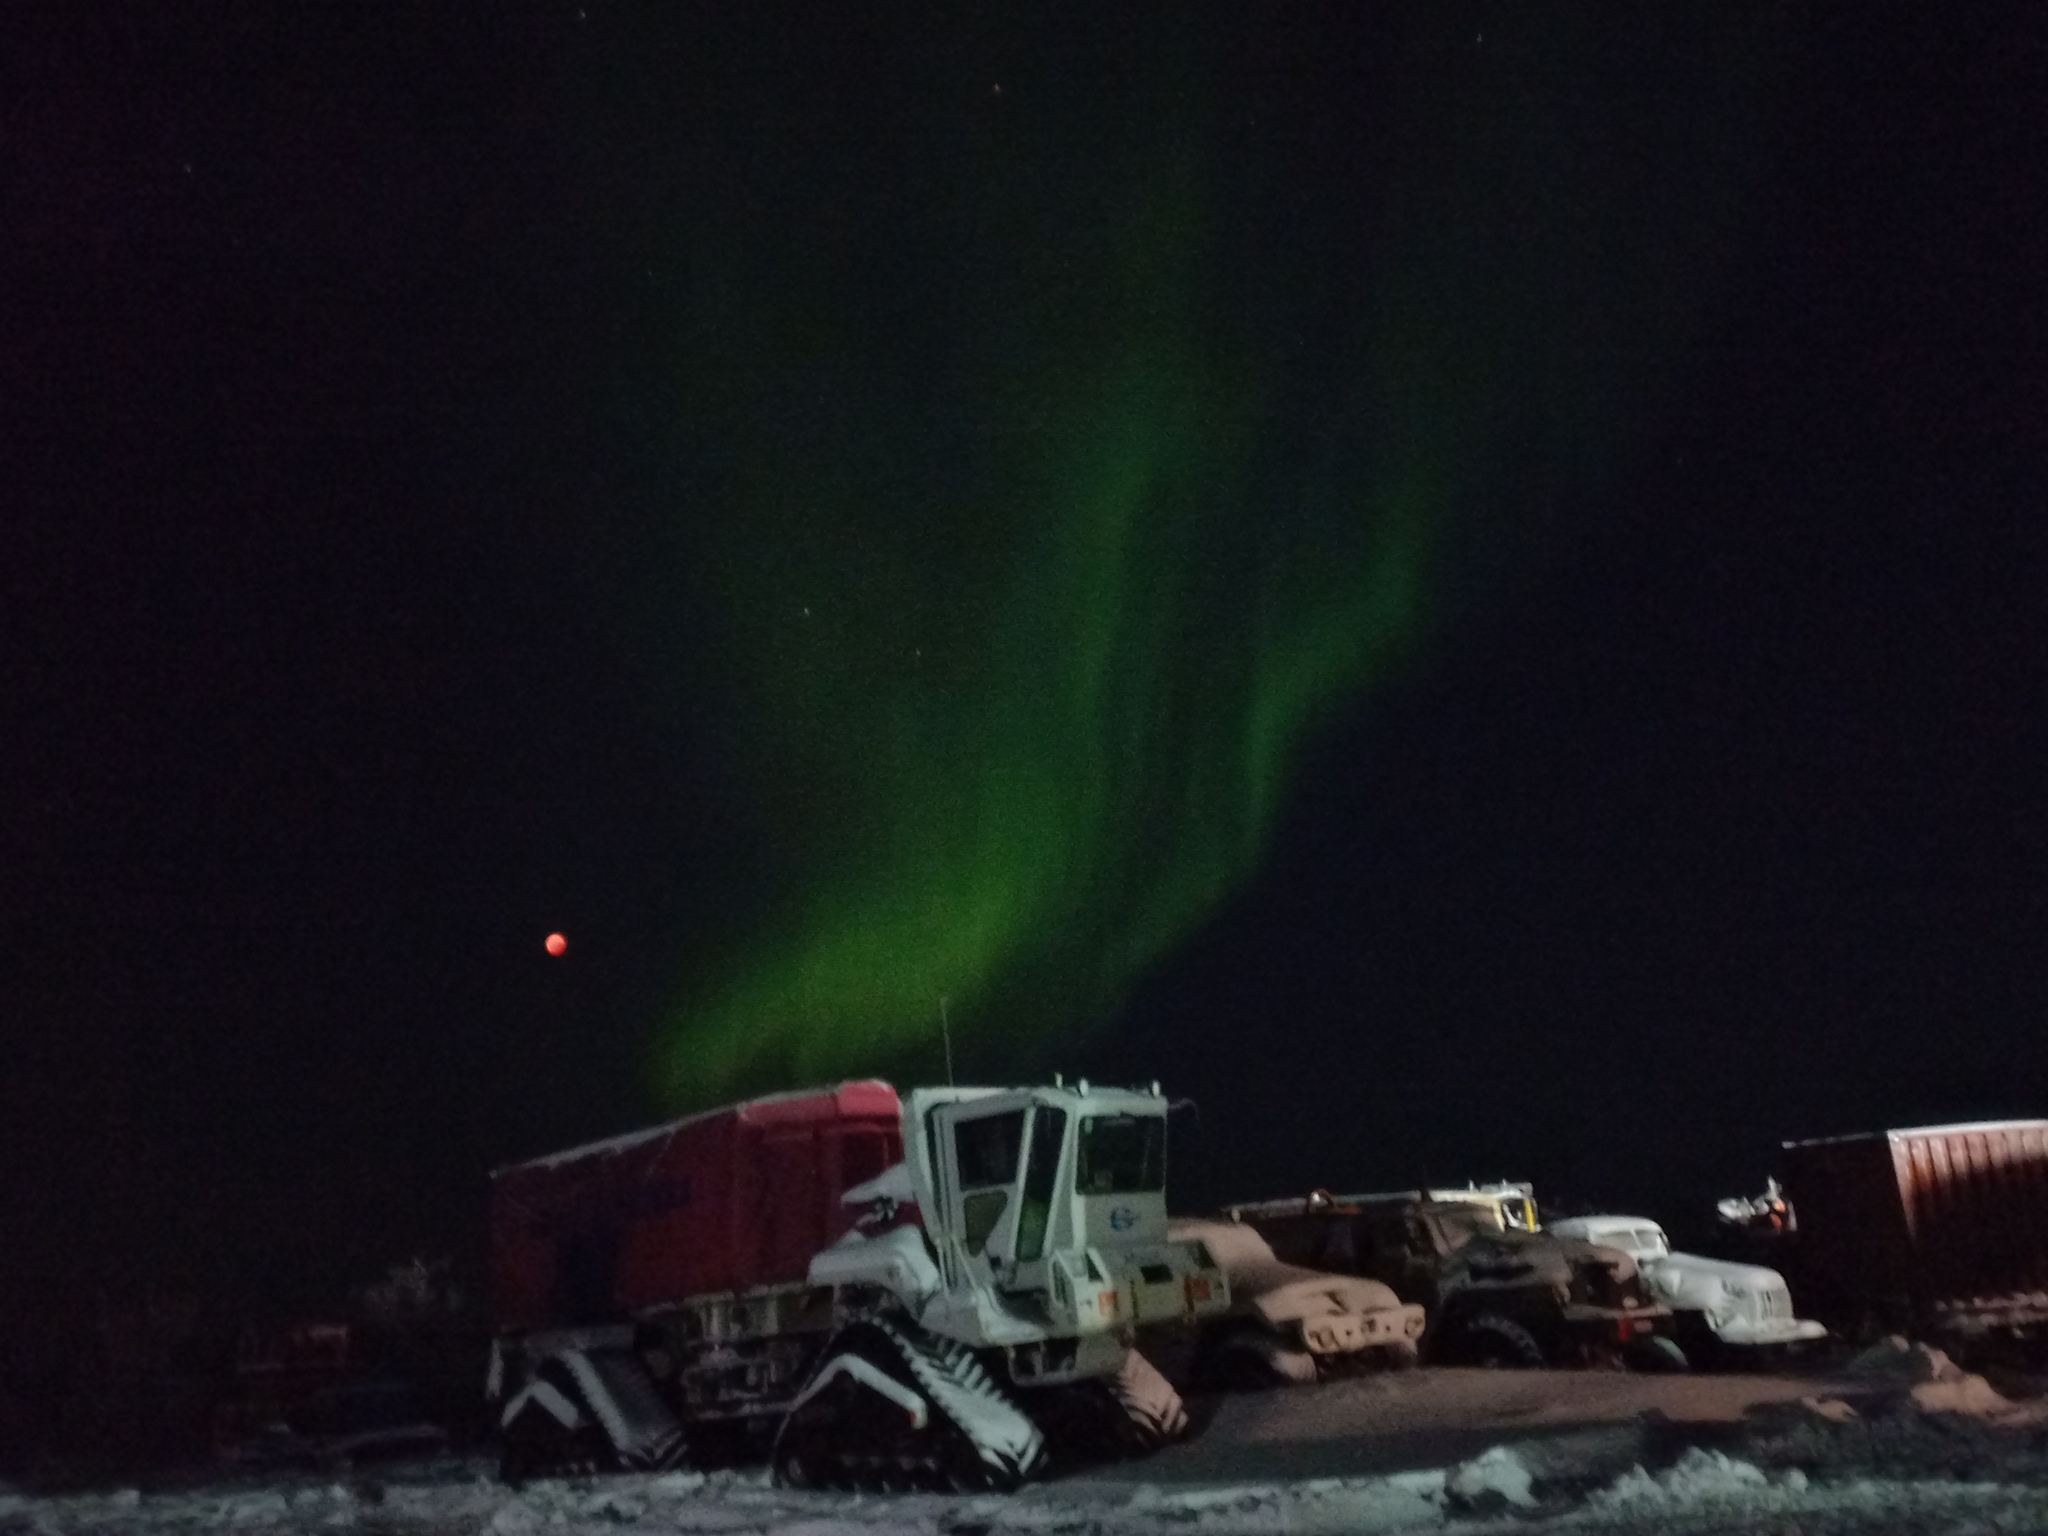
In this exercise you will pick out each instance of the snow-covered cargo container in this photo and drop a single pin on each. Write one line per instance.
(730, 1200)
(1943, 1228)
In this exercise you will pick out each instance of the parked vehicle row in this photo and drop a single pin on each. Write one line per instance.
(961, 1287)
(1493, 1294)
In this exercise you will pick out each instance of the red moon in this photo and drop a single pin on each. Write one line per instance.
(556, 944)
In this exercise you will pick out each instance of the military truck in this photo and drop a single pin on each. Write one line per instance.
(1495, 1295)
(1291, 1325)
(872, 1291)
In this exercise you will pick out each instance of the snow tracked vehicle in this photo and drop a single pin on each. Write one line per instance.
(938, 1292)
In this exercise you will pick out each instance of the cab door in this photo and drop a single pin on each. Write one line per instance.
(978, 1158)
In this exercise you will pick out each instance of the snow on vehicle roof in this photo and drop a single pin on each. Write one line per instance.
(1604, 1223)
(1624, 1232)
(616, 1144)
(1963, 1127)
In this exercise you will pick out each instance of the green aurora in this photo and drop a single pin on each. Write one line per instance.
(1075, 462)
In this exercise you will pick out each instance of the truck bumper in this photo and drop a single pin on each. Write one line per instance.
(1347, 1333)
(1752, 1333)
(1620, 1325)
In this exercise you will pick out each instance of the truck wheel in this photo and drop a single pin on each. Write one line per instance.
(1404, 1356)
(1691, 1332)
(1657, 1355)
(1497, 1343)
(1249, 1359)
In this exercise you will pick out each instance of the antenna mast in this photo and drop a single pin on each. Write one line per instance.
(946, 1034)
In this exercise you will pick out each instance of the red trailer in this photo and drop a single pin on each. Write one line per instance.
(1943, 1228)
(730, 1200)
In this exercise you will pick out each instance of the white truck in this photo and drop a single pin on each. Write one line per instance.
(879, 1293)
(1739, 1306)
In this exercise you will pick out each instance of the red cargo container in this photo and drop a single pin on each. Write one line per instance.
(1943, 1227)
(723, 1201)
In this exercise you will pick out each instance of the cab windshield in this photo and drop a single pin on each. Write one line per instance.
(1122, 1155)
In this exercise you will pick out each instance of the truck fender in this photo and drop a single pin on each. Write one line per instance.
(892, 1186)
(897, 1261)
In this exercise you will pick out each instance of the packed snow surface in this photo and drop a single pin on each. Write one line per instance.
(1903, 1440)
(1703, 1491)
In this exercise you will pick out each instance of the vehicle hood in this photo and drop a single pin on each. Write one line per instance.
(1568, 1265)
(1278, 1291)
(1698, 1269)
(1744, 1304)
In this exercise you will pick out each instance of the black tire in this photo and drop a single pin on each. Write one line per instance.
(1242, 1359)
(1404, 1356)
(1496, 1343)
(1657, 1356)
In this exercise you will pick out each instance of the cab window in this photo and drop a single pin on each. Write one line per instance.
(1122, 1155)
(1048, 1130)
(986, 1151)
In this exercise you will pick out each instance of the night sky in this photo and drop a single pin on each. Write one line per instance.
(1465, 587)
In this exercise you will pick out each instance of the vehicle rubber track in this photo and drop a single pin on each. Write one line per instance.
(891, 1408)
(1149, 1413)
(1119, 1417)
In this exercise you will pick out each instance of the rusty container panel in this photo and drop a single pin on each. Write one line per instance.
(1938, 1224)
(1975, 1199)
(1851, 1264)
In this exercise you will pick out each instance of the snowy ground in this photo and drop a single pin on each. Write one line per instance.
(1704, 1491)
(1907, 1447)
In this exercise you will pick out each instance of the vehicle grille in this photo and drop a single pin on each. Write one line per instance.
(1599, 1285)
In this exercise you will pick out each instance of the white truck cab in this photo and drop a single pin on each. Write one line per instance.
(1045, 1213)
(1743, 1305)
